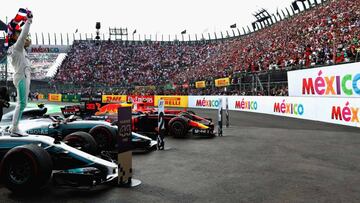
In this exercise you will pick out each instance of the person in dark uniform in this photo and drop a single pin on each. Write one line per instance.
(4, 100)
(13, 95)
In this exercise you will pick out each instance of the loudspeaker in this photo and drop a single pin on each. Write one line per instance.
(98, 25)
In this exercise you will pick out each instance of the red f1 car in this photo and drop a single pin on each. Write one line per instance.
(178, 123)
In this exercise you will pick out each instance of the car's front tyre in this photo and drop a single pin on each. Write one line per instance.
(82, 141)
(25, 169)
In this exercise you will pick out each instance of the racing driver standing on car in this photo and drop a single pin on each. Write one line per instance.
(18, 40)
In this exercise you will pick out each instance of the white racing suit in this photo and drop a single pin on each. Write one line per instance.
(19, 60)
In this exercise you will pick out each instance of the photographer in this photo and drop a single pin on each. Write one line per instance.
(4, 100)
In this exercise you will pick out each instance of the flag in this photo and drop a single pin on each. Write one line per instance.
(16, 23)
(233, 26)
(183, 32)
(134, 31)
(21, 15)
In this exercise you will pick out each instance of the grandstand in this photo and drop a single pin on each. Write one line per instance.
(256, 62)
(324, 35)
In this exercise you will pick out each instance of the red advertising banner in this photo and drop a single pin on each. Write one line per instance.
(146, 99)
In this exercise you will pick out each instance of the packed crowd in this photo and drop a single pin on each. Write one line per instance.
(327, 34)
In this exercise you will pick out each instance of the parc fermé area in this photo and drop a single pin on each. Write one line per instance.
(259, 158)
(172, 121)
(276, 149)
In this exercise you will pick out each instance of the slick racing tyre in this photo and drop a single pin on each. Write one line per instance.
(26, 169)
(103, 137)
(178, 127)
(82, 141)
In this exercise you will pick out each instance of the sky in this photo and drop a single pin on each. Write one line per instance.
(155, 17)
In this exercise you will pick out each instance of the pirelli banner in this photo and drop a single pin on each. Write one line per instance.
(114, 98)
(200, 84)
(173, 101)
(332, 81)
(54, 97)
(222, 82)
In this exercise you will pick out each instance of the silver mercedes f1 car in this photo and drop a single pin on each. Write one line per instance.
(29, 162)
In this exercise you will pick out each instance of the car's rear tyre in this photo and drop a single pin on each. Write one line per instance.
(82, 141)
(26, 169)
(178, 127)
(103, 137)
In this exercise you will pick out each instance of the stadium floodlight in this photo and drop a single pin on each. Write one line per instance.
(118, 32)
(97, 27)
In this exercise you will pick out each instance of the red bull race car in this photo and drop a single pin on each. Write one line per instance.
(178, 123)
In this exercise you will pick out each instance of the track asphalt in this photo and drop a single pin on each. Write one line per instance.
(261, 158)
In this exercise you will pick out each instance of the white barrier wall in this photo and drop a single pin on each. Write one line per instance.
(343, 111)
(332, 81)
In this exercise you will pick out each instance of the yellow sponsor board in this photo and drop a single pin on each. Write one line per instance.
(200, 84)
(113, 98)
(54, 97)
(222, 82)
(173, 101)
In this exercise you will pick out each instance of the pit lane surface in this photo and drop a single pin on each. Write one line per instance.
(261, 158)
